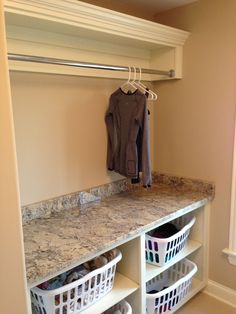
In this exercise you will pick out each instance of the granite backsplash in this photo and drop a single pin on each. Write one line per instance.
(46, 208)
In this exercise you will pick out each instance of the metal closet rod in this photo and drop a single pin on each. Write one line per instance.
(38, 59)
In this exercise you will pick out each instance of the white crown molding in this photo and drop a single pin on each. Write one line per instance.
(222, 293)
(83, 15)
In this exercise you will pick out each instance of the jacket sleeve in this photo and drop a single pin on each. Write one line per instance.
(109, 119)
(146, 162)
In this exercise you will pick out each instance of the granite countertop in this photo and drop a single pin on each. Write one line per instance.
(69, 237)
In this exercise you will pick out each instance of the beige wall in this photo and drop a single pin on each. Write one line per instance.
(60, 133)
(12, 268)
(194, 118)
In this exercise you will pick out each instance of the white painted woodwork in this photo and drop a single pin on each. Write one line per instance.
(70, 29)
(153, 271)
(222, 293)
(133, 272)
(200, 233)
(132, 265)
(231, 250)
(12, 264)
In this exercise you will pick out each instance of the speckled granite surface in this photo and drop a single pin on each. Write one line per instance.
(46, 208)
(66, 238)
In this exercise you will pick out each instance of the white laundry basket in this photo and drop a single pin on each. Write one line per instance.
(160, 251)
(120, 308)
(78, 295)
(173, 285)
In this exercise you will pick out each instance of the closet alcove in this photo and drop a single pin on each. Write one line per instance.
(77, 31)
(73, 30)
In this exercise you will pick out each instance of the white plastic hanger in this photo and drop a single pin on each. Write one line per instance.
(137, 84)
(141, 86)
(129, 83)
(145, 88)
(134, 81)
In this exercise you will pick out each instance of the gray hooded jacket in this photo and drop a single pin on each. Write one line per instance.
(128, 151)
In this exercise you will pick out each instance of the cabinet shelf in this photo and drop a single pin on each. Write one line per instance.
(75, 30)
(122, 288)
(153, 271)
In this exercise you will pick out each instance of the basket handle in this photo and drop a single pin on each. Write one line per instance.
(186, 227)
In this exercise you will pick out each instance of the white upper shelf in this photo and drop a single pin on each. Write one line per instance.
(105, 34)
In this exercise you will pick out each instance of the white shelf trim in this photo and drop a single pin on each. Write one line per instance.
(231, 256)
(231, 250)
(153, 271)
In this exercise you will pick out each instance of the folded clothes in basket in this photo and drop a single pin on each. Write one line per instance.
(79, 271)
(156, 291)
(165, 231)
(65, 278)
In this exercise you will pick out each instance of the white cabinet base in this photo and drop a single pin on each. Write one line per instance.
(133, 272)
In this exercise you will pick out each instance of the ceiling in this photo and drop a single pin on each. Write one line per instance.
(160, 5)
(146, 9)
